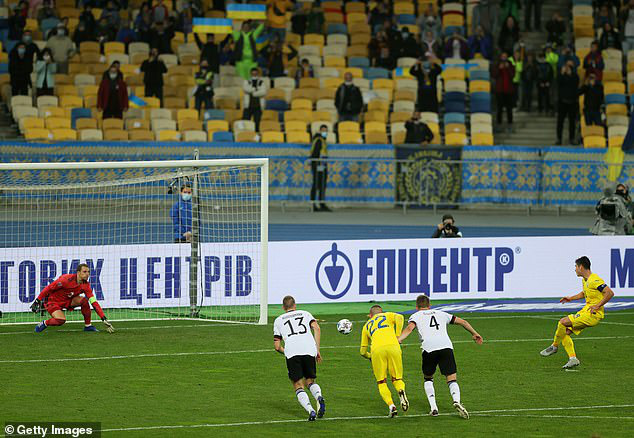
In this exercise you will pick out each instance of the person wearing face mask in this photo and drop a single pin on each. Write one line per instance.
(62, 48)
(45, 67)
(426, 74)
(592, 91)
(254, 91)
(428, 21)
(83, 33)
(87, 17)
(111, 14)
(153, 69)
(112, 97)
(348, 100)
(16, 24)
(319, 168)
(20, 68)
(126, 35)
(417, 131)
(209, 52)
(481, 44)
(46, 12)
(410, 47)
(160, 37)
(504, 90)
(181, 214)
(204, 87)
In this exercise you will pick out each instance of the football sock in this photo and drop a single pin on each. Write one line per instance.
(315, 390)
(386, 395)
(454, 390)
(85, 310)
(559, 334)
(399, 385)
(431, 394)
(54, 321)
(303, 400)
(569, 346)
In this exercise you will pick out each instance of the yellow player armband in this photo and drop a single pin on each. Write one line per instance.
(92, 300)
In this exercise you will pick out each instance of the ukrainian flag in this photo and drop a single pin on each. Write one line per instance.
(212, 25)
(262, 41)
(246, 12)
(401, 73)
(136, 102)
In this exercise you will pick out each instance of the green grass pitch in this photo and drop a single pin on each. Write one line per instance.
(188, 378)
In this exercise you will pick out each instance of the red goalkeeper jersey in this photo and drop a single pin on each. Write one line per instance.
(65, 288)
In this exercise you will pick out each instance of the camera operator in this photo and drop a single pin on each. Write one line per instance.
(613, 218)
(447, 228)
(623, 191)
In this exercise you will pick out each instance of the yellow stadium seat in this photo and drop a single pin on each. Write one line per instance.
(309, 83)
(355, 7)
(183, 114)
(115, 134)
(612, 76)
(89, 47)
(456, 139)
(350, 138)
(348, 127)
(314, 39)
(246, 136)
(358, 50)
(90, 134)
(482, 139)
(332, 83)
(64, 134)
(190, 125)
(276, 94)
(295, 125)
(301, 104)
(37, 134)
(400, 116)
(134, 124)
(379, 105)
(616, 141)
(301, 115)
(217, 125)
(152, 102)
(405, 95)
(66, 90)
(167, 135)
(85, 123)
(113, 47)
(387, 84)
(594, 141)
(57, 123)
(272, 137)
(270, 125)
(616, 109)
(297, 137)
(376, 138)
(592, 130)
(334, 61)
(375, 127)
(453, 74)
(613, 88)
(452, 20)
(359, 39)
(455, 128)
(304, 93)
(322, 115)
(108, 124)
(479, 86)
(31, 123)
(398, 137)
(141, 135)
(375, 116)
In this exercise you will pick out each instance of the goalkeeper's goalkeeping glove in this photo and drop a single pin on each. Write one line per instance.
(108, 325)
(36, 306)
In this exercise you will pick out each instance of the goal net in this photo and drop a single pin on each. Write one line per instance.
(162, 239)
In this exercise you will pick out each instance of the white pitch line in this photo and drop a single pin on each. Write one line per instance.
(156, 327)
(570, 417)
(366, 417)
(270, 350)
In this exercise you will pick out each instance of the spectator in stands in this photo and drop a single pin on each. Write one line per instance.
(509, 35)
(143, 23)
(185, 19)
(204, 87)
(528, 79)
(181, 214)
(428, 21)
(278, 55)
(305, 70)
(87, 17)
(485, 14)
(299, 21)
(517, 61)
(45, 67)
(380, 52)
(20, 68)
(104, 33)
(417, 131)
(431, 45)
(161, 37)
(246, 51)
(16, 24)
(226, 55)
(319, 168)
(568, 55)
(480, 43)
(159, 12)
(254, 91)
(536, 7)
(456, 47)
(46, 12)
(62, 47)
(276, 17)
(315, 19)
(348, 100)
(603, 16)
(153, 69)
(126, 35)
(544, 81)
(504, 90)
(209, 52)
(112, 97)
(567, 106)
(83, 33)
(610, 38)
(111, 14)
(556, 29)
(409, 47)
(626, 16)
(510, 8)
(426, 73)
(393, 35)
(593, 62)
(446, 228)
(592, 91)
(31, 47)
(378, 15)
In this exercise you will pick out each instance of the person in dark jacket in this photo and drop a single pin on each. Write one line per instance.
(319, 168)
(305, 70)
(544, 81)
(417, 131)
(409, 48)
(593, 62)
(509, 35)
(504, 90)
(610, 38)
(204, 87)
(348, 100)
(161, 38)
(592, 91)
(568, 83)
(112, 97)
(20, 69)
(181, 215)
(528, 79)
(447, 228)
(380, 52)
(209, 52)
(480, 43)
(153, 69)
(426, 73)
(16, 24)
(556, 27)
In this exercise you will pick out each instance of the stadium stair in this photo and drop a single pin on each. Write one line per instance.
(8, 128)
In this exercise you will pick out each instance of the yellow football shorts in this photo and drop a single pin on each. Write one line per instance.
(386, 359)
(582, 320)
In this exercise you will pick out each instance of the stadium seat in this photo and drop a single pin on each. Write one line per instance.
(167, 135)
(141, 135)
(90, 134)
(301, 137)
(374, 127)
(216, 125)
(134, 124)
(162, 125)
(190, 125)
(348, 127)
(246, 136)
(43, 101)
(272, 137)
(482, 139)
(112, 124)
(456, 139)
(376, 138)
(199, 136)
(64, 134)
(243, 125)
(160, 113)
(30, 123)
(350, 138)
(85, 123)
(221, 136)
(57, 123)
(115, 134)
(593, 141)
(616, 141)
(213, 114)
(38, 134)
(454, 118)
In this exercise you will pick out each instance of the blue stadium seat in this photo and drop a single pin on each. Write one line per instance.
(337, 28)
(4, 68)
(79, 113)
(377, 73)
(454, 96)
(277, 105)
(454, 118)
(479, 75)
(222, 136)
(406, 19)
(450, 30)
(10, 45)
(214, 114)
(358, 62)
(615, 98)
(455, 107)
(481, 106)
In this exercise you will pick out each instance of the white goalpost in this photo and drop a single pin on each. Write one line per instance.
(163, 239)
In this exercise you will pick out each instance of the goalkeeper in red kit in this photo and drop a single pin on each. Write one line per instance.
(66, 293)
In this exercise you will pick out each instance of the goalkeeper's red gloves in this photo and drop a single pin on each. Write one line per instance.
(109, 327)
(36, 306)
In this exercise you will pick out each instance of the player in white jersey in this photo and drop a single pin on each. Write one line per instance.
(437, 349)
(302, 353)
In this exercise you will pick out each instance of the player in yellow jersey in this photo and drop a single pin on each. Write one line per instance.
(596, 293)
(382, 331)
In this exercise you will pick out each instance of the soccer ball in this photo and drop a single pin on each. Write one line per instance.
(344, 326)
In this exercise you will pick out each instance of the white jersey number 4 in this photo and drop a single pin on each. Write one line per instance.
(432, 329)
